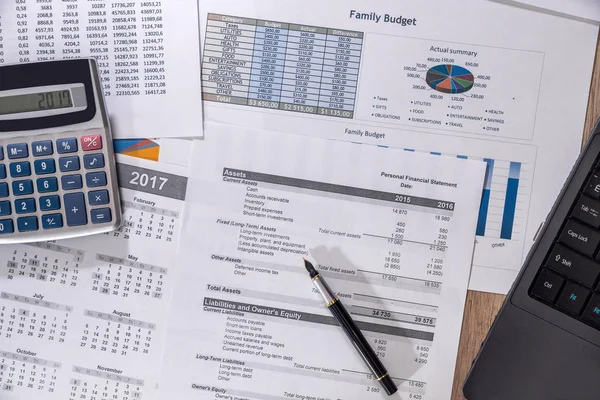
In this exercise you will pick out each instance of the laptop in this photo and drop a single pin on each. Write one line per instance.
(545, 341)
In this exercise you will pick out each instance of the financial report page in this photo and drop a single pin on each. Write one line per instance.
(434, 78)
(246, 322)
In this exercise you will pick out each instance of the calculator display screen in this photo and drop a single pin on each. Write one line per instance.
(35, 102)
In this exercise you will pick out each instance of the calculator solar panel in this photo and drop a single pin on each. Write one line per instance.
(57, 169)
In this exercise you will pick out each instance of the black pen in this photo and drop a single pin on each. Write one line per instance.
(351, 330)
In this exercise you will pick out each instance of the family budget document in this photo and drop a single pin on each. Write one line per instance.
(147, 54)
(428, 77)
(392, 232)
(86, 318)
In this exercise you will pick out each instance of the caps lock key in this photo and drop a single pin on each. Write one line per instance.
(579, 237)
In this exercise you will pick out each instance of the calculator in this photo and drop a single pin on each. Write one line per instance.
(57, 167)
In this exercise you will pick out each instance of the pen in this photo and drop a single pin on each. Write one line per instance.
(351, 330)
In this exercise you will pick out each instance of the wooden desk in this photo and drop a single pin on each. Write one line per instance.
(481, 308)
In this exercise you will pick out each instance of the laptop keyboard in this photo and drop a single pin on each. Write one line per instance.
(569, 279)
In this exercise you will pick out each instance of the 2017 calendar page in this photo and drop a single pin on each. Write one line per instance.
(86, 318)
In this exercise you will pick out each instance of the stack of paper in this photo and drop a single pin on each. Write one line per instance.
(438, 79)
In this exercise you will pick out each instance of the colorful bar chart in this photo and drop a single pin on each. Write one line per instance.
(485, 198)
(510, 203)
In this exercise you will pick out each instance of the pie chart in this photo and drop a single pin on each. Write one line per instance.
(448, 78)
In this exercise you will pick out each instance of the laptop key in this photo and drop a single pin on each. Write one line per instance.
(592, 310)
(593, 186)
(580, 237)
(572, 265)
(587, 210)
(547, 286)
(573, 298)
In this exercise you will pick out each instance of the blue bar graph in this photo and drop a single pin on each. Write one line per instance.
(510, 203)
(485, 198)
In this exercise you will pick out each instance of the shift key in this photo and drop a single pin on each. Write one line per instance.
(572, 265)
(580, 237)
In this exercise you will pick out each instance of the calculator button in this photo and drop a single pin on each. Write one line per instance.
(1, 153)
(46, 185)
(68, 145)
(3, 189)
(49, 203)
(98, 197)
(21, 188)
(25, 206)
(75, 209)
(5, 208)
(91, 142)
(26, 224)
(93, 161)
(68, 164)
(20, 169)
(43, 167)
(6, 226)
(71, 182)
(95, 179)
(43, 148)
(100, 215)
(52, 221)
(17, 150)
(2, 171)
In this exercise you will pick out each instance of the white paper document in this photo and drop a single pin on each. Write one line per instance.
(147, 52)
(588, 10)
(392, 232)
(477, 80)
(86, 318)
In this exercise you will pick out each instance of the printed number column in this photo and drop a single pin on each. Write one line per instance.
(25, 31)
(70, 30)
(95, 20)
(227, 59)
(125, 24)
(340, 74)
(267, 64)
(153, 48)
(1, 41)
(303, 69)
(44, 48)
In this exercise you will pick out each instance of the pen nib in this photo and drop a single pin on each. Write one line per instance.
(309, 267)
